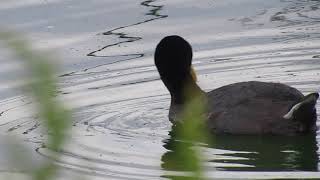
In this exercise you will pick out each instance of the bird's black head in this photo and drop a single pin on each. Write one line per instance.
(173, 58)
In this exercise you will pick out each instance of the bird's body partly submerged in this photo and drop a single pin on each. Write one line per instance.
(258, 108)
(241, 108)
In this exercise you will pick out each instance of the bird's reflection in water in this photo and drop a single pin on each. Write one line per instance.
(250, 153)
(180, 157)
(269, 153)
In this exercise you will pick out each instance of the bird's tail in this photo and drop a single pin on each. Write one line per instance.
(304, 108)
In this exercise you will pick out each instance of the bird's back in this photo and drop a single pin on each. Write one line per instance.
(252, 108)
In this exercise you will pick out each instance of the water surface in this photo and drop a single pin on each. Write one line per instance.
(120, 106)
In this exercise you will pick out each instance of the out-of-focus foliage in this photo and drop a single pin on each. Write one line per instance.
(184, 154)
(43, 86)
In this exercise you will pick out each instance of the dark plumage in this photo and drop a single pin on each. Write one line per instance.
(241, 108)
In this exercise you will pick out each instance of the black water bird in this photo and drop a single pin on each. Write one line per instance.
(241, 108)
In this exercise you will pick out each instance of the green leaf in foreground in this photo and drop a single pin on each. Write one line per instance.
(184, 154)
(43, 88)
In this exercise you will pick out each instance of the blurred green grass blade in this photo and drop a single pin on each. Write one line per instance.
(43, 87)
(187, 135)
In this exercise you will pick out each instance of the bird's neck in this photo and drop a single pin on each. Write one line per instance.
(183, 90)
